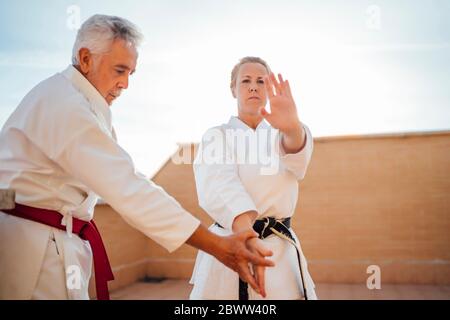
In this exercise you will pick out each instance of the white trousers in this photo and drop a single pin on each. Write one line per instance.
(51, 284)
(41, 262)
(55, 281)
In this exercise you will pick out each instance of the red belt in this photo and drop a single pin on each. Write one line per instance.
(86, 230)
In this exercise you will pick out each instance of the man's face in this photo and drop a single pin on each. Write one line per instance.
(109, 72)
(249, 88)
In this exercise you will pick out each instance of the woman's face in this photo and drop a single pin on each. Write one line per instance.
(249, 88)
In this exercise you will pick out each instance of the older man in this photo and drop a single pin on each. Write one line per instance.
(58, 151)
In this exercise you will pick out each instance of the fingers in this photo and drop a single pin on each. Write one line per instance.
(247, 234)
(275, 84)
(245, 256)
(281, 86)
(260, 271)
(280, 78)
(260, 247)
(287, 88)
(249, 256)
(245, 275)
(260, 279)
(268, 86)
(258, 260)
(264, 252)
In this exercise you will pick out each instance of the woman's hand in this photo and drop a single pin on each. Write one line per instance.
(283, 114)
(257, 246)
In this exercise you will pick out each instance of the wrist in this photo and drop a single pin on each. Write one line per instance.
(206, 240)
(244, 221)
(294, 129)
(295, 141)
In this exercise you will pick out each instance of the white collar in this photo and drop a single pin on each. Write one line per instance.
(98, 103)
(235, 122)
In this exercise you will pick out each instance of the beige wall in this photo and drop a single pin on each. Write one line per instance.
(382, 200)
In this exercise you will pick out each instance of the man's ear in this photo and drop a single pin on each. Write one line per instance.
(85, 60)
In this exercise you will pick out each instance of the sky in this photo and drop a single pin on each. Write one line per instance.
(355, 66)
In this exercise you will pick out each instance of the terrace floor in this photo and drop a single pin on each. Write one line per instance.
(174, 289)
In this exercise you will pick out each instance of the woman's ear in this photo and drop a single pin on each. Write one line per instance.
(85, 60)
(233, 91)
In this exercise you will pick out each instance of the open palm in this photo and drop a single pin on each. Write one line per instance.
(283, 115)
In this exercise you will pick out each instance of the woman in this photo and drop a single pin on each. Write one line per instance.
(247, 174)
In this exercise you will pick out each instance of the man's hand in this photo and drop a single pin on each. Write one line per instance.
(238, 256)
(232, 251)
(244, 222)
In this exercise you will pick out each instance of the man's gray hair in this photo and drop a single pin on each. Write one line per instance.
(99, 31)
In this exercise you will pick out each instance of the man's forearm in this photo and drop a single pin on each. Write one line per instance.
(205, 240)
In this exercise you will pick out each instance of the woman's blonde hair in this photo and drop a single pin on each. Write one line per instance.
(235, 70)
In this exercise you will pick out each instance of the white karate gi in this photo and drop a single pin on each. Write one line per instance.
(58, 151)
(232, 185)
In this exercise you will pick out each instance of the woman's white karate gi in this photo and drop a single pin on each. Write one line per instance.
(240, 169)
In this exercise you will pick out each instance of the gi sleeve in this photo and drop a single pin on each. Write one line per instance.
(88, 153)
(219, 189)
(297, 163)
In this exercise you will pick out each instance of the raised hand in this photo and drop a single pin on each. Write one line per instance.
(283, 115)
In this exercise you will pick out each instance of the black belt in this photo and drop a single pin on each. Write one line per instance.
(265, 228)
